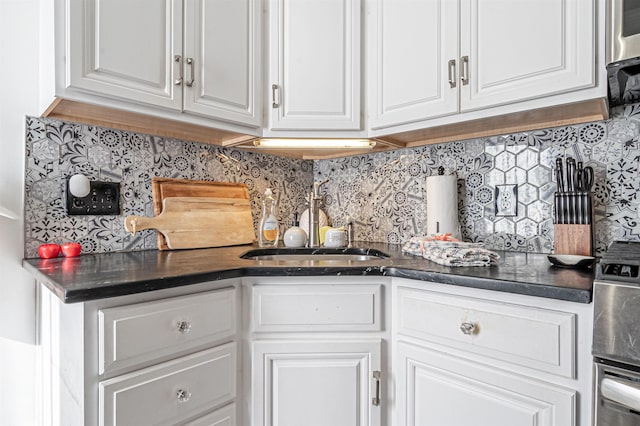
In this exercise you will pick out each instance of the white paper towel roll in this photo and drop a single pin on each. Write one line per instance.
(442, 205)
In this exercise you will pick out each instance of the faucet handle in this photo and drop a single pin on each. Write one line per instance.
(316, 187)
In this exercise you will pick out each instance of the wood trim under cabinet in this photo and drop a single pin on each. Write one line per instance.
(542, 118)
(63, 109)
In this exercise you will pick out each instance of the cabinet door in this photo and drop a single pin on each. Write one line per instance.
(222, 58)
(314, 64)
(315, 383)
(437, 389)
(412, 43)
(125, 49)
(525, 49)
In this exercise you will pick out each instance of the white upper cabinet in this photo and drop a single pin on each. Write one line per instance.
(125, 49)
(221, 42)
(524, 49)
(409, 69)
(314, 64)
(429, 59)
(197, 56)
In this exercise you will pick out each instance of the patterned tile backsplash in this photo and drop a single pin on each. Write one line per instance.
(384, 193)
(57, 150)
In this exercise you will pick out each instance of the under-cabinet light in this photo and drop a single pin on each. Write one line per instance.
(315, 143)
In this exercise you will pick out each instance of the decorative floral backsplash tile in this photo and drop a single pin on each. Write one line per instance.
(57, 150)
(385, 192)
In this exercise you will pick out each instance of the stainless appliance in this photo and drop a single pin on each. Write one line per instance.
(616, 336)
(623, 51)
(623, 33)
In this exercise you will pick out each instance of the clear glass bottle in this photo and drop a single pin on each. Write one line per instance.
(269, 227)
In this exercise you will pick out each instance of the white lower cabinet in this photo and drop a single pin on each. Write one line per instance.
(315, 383)
(316, 351)
(440, 389)
(156, 358)
(465, 356)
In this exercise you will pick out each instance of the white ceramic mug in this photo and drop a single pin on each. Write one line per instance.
(335, 238)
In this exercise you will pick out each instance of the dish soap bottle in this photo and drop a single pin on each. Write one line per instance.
(269, 227)
(295, 236)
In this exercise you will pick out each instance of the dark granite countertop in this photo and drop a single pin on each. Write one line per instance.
(97, 276)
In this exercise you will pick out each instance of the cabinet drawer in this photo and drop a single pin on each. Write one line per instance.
(133, 334)
(532, 337)
(172, 391)
(225, 416)
(316, 307)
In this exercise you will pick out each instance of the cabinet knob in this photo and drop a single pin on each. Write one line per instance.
(183, 395)
(183, 327)
(468, 328)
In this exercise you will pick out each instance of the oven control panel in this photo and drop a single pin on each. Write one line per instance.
(620, 270)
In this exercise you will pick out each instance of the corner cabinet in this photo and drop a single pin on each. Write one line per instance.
(316, 352)
(498, 359)
(159, 358)
(435, 59)
(200, 57)
(314, 65)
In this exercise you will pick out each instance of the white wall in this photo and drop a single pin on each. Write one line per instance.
(25, 34)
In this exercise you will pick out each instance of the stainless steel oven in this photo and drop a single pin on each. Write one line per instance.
(616, 336)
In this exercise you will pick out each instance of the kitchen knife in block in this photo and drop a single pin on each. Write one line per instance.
(199, 222)
(162, 188)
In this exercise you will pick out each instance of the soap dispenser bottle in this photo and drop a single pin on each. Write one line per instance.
(295, 236)
(269, 228)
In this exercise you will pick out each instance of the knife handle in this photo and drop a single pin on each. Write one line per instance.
(579, 210)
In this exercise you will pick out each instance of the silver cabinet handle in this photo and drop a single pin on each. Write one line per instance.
(183, 395)
(274, 104)
(468, 328)
(376, 399)
(464, 74)
(178, 59)
(183, 327)
(191, 64)
(452, 73)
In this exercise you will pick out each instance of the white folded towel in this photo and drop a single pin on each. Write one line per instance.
(447, 251)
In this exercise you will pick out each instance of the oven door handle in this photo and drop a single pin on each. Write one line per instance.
(621, 393)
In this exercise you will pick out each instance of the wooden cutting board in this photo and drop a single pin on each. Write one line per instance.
(170, 187)
(199, 222)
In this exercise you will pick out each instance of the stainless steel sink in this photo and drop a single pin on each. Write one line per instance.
(347, 255)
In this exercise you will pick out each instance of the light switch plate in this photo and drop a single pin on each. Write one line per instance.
(103, 199)
(506, 200)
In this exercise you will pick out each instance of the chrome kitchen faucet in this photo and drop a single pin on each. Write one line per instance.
(314, 214)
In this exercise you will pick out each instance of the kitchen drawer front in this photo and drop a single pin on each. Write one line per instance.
(531, 337)
(322, 307)
(172, 391)
(225, 416)
(133, 334)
